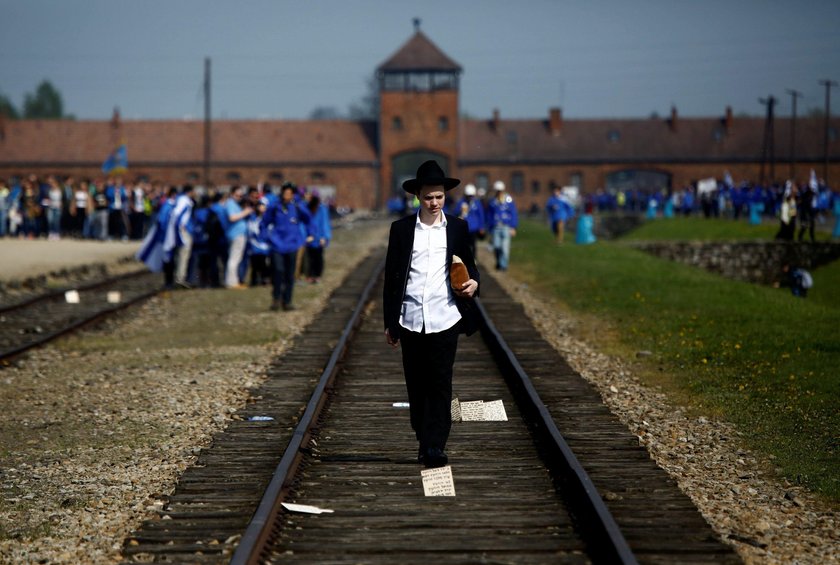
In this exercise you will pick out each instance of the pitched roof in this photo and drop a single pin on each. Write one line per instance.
(641, 140)
(162, 141)
(419, 54)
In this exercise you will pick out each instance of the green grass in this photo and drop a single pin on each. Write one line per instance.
(756, 356)
(705, 229)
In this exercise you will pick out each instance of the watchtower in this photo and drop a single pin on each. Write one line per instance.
(418, 117)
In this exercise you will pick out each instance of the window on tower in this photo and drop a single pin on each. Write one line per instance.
(443, 123)
(396, 123)
(517, 182)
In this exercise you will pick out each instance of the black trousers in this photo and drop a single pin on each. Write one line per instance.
(283, 276)
(427, 363)
(316, 261)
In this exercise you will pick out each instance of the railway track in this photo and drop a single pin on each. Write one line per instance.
(41, 318)
(522, 497)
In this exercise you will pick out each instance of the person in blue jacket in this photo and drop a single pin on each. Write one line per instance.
(282, 221)
(503, 220)
(318, 235)
(471, 209)
(559, 211)
(258, 246)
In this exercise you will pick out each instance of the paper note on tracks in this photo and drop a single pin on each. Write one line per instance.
(72, 296)
(305, 508)
(438, 481)
(472, 411)
(495, 411)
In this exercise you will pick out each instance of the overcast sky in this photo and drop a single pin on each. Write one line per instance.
(281, 59)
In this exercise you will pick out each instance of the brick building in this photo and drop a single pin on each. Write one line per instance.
(364, 162)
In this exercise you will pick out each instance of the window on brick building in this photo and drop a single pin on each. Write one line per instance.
(317, 176)
(535, 187)
(443, 123)
(192, 176)
(576, 179)
(517, 182)
(614, 136)
(233, 176)
(275, 176)
(552, 184)
(482, 181)
(396, 123)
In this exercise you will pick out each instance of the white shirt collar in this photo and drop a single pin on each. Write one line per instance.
(423, 226)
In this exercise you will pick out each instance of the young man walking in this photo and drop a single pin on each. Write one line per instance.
(423, 312)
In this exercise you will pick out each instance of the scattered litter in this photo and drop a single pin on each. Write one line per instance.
(305, 508)
(478, 411)
(495, 411)
(72, 296)
(401, 405)
(260, 418)
(114, 297)
(438, 481)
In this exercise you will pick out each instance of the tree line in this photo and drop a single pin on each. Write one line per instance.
(43, 104)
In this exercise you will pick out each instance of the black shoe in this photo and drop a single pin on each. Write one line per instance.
(435, 457)
(275, 305)
(288, 307)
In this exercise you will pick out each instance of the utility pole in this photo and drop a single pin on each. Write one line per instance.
(769, 146)
(827, 84)
(207, 123)
(794, 94)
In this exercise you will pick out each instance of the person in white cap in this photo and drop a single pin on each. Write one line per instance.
(470, 209)
(503, 220)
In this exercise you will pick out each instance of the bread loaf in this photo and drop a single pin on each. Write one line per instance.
(458, 273)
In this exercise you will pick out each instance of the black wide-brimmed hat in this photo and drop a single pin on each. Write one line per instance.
(429, 174)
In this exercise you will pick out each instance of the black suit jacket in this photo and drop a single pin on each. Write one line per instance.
(398, 262)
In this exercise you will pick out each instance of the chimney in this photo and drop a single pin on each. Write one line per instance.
(115, 118)
(495, 123)
(672, 123)
(555, 120)
(727, 121)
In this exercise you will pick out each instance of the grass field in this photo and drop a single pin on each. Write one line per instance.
(753, 355)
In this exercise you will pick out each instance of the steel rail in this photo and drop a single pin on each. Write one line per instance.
(257, 537)
(54, 294)
(5, 356)
(599, 528)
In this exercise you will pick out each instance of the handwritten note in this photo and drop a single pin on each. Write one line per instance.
(478, 411)
(114, 297)
(472, 411)
(438, 481)
(72, 296)
(495, 411)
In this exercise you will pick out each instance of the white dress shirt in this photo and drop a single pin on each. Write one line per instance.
(429, 302)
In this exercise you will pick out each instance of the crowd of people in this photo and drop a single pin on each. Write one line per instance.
(54, 207)
(801, 206)
(216, 238)
(198, 237)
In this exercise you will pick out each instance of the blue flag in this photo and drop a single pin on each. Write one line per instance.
(117, 161)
